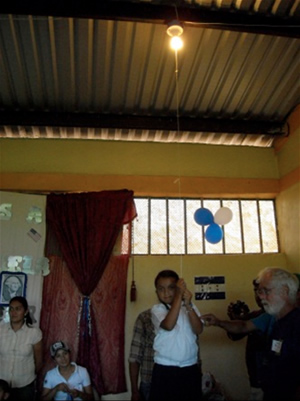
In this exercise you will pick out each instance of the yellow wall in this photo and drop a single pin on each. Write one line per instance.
(288, 200)
(146, 168)
(135, 158)
(154, 169)
(221, 356)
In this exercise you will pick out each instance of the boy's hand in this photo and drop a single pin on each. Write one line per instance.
(181, 286)
(62, 387)
(187, 297)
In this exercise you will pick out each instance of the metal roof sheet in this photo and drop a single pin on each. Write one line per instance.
(123, 67)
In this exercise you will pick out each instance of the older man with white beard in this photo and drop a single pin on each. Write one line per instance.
(281, 324)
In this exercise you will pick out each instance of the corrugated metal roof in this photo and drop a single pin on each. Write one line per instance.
(136, 135)
(125, 68)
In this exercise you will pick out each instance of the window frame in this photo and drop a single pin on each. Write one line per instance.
(204, 245)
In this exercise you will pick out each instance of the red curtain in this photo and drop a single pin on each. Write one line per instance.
(61, 300)
(109, 304)
(60, 306)
(86, 227)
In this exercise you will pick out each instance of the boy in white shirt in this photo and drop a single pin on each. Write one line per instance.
(68, 381)
(176, 373)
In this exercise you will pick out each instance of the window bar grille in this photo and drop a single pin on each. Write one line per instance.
(185, 227)
(259, 227)
(203, 231)
(149, 225)
(276, 226)
(242, 226)
(185, 237)
(223, 229)
(167, 226)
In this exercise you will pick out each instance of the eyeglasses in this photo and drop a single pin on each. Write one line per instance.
(265, 291)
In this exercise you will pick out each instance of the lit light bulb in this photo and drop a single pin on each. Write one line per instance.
(176, 43)
(175, 30)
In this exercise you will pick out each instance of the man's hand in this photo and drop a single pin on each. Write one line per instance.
(210, 320)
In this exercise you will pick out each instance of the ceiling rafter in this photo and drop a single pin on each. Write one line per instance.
(232, 19)
(164, 123)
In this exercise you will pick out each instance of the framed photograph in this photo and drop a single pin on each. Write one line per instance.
(12, 285)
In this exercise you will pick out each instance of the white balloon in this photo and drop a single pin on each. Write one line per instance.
(223, 216)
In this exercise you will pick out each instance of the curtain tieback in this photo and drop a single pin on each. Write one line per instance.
(85, 313)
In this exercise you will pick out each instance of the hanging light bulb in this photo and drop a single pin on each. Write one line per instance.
(176, 43)
(175, 30)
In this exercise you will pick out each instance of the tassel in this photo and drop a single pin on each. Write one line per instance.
(133, 286)
(133, 292)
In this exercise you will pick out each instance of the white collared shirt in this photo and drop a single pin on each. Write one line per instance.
(177, 347)
(78, 380)
(17, 365)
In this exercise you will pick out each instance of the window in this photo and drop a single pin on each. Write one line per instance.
(166, 226)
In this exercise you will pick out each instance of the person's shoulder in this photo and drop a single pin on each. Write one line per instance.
(4, 325)
(34, 330)
(51, 372)
(297, 311)
(145, 312)
(142, 316)
(157, 307)
(82, 371)
(263, 317)
(294, 315)
(158, 310)
(263, 321)
(78, 367)
(255, 313)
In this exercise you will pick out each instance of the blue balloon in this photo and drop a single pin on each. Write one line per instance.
(214, 233)
(203, 216)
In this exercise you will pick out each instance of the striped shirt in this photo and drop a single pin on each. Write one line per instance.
(141, 350)
(17, 365)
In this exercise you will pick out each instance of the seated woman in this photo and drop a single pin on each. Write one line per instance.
(67, 381)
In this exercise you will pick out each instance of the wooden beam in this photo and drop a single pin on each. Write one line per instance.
(233, 19)
(116, 121)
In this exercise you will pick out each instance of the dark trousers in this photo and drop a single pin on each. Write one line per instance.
(144, 391)
(171, 383)
(26, 393)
